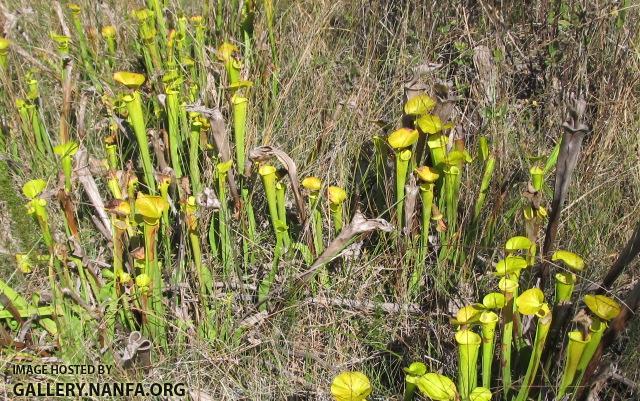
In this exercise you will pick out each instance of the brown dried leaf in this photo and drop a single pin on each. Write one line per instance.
(359, 225)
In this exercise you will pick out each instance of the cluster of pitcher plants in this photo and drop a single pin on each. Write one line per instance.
(189, 212)
(495, 330)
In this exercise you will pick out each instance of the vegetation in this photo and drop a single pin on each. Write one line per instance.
(296, 200)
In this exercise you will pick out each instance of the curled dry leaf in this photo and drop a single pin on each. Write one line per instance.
(359, 225)
(208, 199)
(263, 153)
(219, 135)
(136, 351)
(575, 130)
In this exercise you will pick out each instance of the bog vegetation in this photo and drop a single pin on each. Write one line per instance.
(183, 205)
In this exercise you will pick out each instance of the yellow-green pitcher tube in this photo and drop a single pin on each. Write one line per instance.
(484, 187)
(114, 184)
(23, 112)
(62, 46)
(575, 348)
(537, 177)
(132, 187)
(596, 330)
(150, 210)
(148, 33)
(85, 51)
(119, 229)
(450, 190)
(5, 44)
(542, 330)
(268, 176)
(437, 144)
(194, 153)
(451, 175)
(337, 196)
(426, 197)
(402, 166)
(223, 230)
(108, 32)
(231, 64)
(152, 268)
(282, 212)
(38, 207)
(489, 321)
(158, 10)
(199, 48)
(205, 279)
(565, 282)
(111, 149)
(336, 214)
(173, 110)
(136, 118)
(239, 106)
(468, 347)
(183, 40)
(65, 152)
(507, 287)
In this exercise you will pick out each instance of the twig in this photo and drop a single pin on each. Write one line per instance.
(387, 307)
(630, 251)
